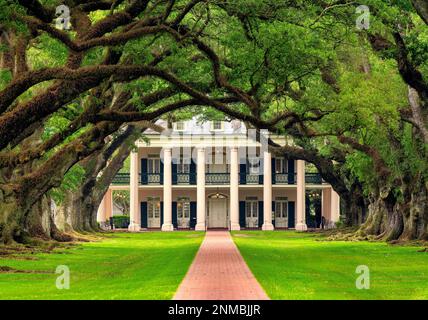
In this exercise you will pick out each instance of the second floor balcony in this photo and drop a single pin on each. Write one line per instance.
(222, 178)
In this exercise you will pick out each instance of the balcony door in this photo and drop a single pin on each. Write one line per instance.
(153, 165)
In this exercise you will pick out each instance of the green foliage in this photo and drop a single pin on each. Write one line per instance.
(71, 181)
(121, 222)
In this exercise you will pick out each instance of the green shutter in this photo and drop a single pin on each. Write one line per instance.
(291, 214)
(144, 215)
(242, 221)
(174, 214)
(261, 215)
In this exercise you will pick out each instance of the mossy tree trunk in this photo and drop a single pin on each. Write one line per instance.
(403, 217)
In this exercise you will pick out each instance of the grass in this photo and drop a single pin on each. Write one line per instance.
(292, 265)
(121, 266)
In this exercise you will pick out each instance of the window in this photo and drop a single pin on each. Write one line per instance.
(180, 126)
(254, 165)
(281, 209)
(183, 167)
(153, 164)
(216, 125)
(251, 208)
(183, 208)
(280, 165)
(153, 209)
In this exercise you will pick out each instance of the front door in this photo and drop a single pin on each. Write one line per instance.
(252, 214)
(153, 214)
(217, 213)
(281, 214)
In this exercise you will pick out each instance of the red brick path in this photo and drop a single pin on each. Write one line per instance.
(219, 273)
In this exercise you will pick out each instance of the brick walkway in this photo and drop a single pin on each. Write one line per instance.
(219, 273)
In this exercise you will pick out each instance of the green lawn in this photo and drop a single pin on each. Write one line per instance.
(292, 265)
(122, 266)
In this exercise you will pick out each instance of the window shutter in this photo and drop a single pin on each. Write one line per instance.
(192, 168)
(242, 214)
(309, 221)
(291, 179)
(161, 213)
(273, 213)
(143, 214)
(161, 172)
(242, 173)
(143, 171)
(174, 173)
(291, 214)
(174, 214)
(192, 214)
(273, 169)
(261, 216)
(261, 171)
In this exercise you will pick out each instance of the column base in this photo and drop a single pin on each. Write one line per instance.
(134, 227)
(235, 227)
(301, 227)
(200, 227)
(267, 227)
(167, 227)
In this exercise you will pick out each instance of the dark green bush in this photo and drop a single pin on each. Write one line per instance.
(121, 221)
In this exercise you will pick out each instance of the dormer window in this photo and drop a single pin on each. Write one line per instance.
(179, 126)
(216, 125)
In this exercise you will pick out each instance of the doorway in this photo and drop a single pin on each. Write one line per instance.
(153, 212)
(217, 211)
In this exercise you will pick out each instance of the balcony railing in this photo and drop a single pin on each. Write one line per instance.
(217, 178)
(184, 178)
(253, 178)
(121, 179)
(150, 178)
(313, 178)
(284, 178)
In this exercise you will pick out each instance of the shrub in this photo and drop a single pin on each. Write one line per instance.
(121, 221)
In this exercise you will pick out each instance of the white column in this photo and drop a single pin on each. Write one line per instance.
(267, 191)
(200, 184)
(234, 189)
(301, 193)
(134, 212)
(167, 190)
(101, 213)
(335, 206)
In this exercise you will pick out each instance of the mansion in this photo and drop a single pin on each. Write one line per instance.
(218, 175)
